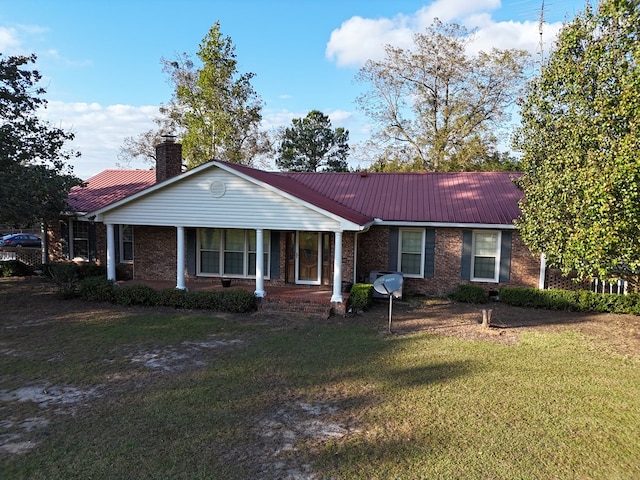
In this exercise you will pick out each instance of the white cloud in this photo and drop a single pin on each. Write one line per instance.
(11, 38)
(360, 39)
(9, 42)
(99, 131)
(448, 10)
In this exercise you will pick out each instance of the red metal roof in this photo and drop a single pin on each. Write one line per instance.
(457, 197)
(489, 198)
(107, 187)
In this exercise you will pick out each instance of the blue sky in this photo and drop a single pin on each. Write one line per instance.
(104, 80)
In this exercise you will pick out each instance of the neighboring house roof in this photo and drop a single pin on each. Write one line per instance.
(437, 197)
(107, 187)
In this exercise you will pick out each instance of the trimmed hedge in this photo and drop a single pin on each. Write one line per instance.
(100, 289)
(469, 294)
(361, 296)
(580, 300)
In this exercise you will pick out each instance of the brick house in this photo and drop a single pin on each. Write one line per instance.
(438, 229)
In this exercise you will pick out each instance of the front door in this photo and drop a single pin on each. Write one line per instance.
(309, 258)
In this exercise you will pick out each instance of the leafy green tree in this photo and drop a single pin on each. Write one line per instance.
(439, 104)
(35, 177)
(311, 144)
(214, 110)
(580, 144)
(216, 106)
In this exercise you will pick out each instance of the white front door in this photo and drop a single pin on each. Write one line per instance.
(308, 258)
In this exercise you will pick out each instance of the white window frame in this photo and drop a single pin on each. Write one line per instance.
(121, 241)
(401, 231)
(496, 270)
(73, 224)
(221, 252)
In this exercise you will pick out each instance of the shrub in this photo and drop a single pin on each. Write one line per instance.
(15, 268)
(469, 294)
(237, 301)
(361, 296)
(581, 300)
(101, 289)
(65, 277)
(86, 270)
(136, 295)
(97, 289)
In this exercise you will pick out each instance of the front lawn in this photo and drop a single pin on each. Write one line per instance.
(108, 393)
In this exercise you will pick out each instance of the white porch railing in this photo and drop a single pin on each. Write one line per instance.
(600, 286)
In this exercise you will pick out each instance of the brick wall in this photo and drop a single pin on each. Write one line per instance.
(154, 251)
(373, 254)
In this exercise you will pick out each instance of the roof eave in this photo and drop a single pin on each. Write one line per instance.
(493, 226)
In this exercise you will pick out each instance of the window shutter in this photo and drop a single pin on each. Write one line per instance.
(505, 257)
(92, 242)
(429, 253)
(64, 234)
(275, 255)
(190, 240)
(393, 250)
(116, 239)
(465, 267)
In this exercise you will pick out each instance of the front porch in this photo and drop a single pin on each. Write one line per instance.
(306, 300)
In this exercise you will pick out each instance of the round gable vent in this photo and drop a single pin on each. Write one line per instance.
(217, 188)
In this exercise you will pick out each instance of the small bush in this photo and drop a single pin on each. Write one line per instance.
(361, 296)
(237, 301)
(136, 295)
(86, 270)
(65, 277)
(469, 294)
(15, 268)
(97, 289)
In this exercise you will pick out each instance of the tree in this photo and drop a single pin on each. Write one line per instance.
(580, 144)
(214, 109)
(438, 101)
(311, 145)
(35, 178)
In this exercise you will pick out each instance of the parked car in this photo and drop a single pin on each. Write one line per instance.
(20, 240)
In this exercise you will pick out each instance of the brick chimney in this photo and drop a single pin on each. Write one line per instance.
(168, 158)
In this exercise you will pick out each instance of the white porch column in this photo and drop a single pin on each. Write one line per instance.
(180, 264)
(260, 263)
(337, 269)
(543, 271)
(111, 253)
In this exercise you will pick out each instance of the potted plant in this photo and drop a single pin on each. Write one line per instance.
(226, 282)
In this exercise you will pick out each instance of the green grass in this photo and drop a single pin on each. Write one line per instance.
(417, 406)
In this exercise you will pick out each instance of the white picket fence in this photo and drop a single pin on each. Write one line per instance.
(600, 286)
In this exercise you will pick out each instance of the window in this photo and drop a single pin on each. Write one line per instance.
(79, 240)
(210, 251)
(230, 252)
(411, 253)
(486, 256)
(126, 243)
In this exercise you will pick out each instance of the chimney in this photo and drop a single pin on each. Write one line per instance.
(168, 158)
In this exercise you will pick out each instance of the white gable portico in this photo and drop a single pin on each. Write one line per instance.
(222, 197)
